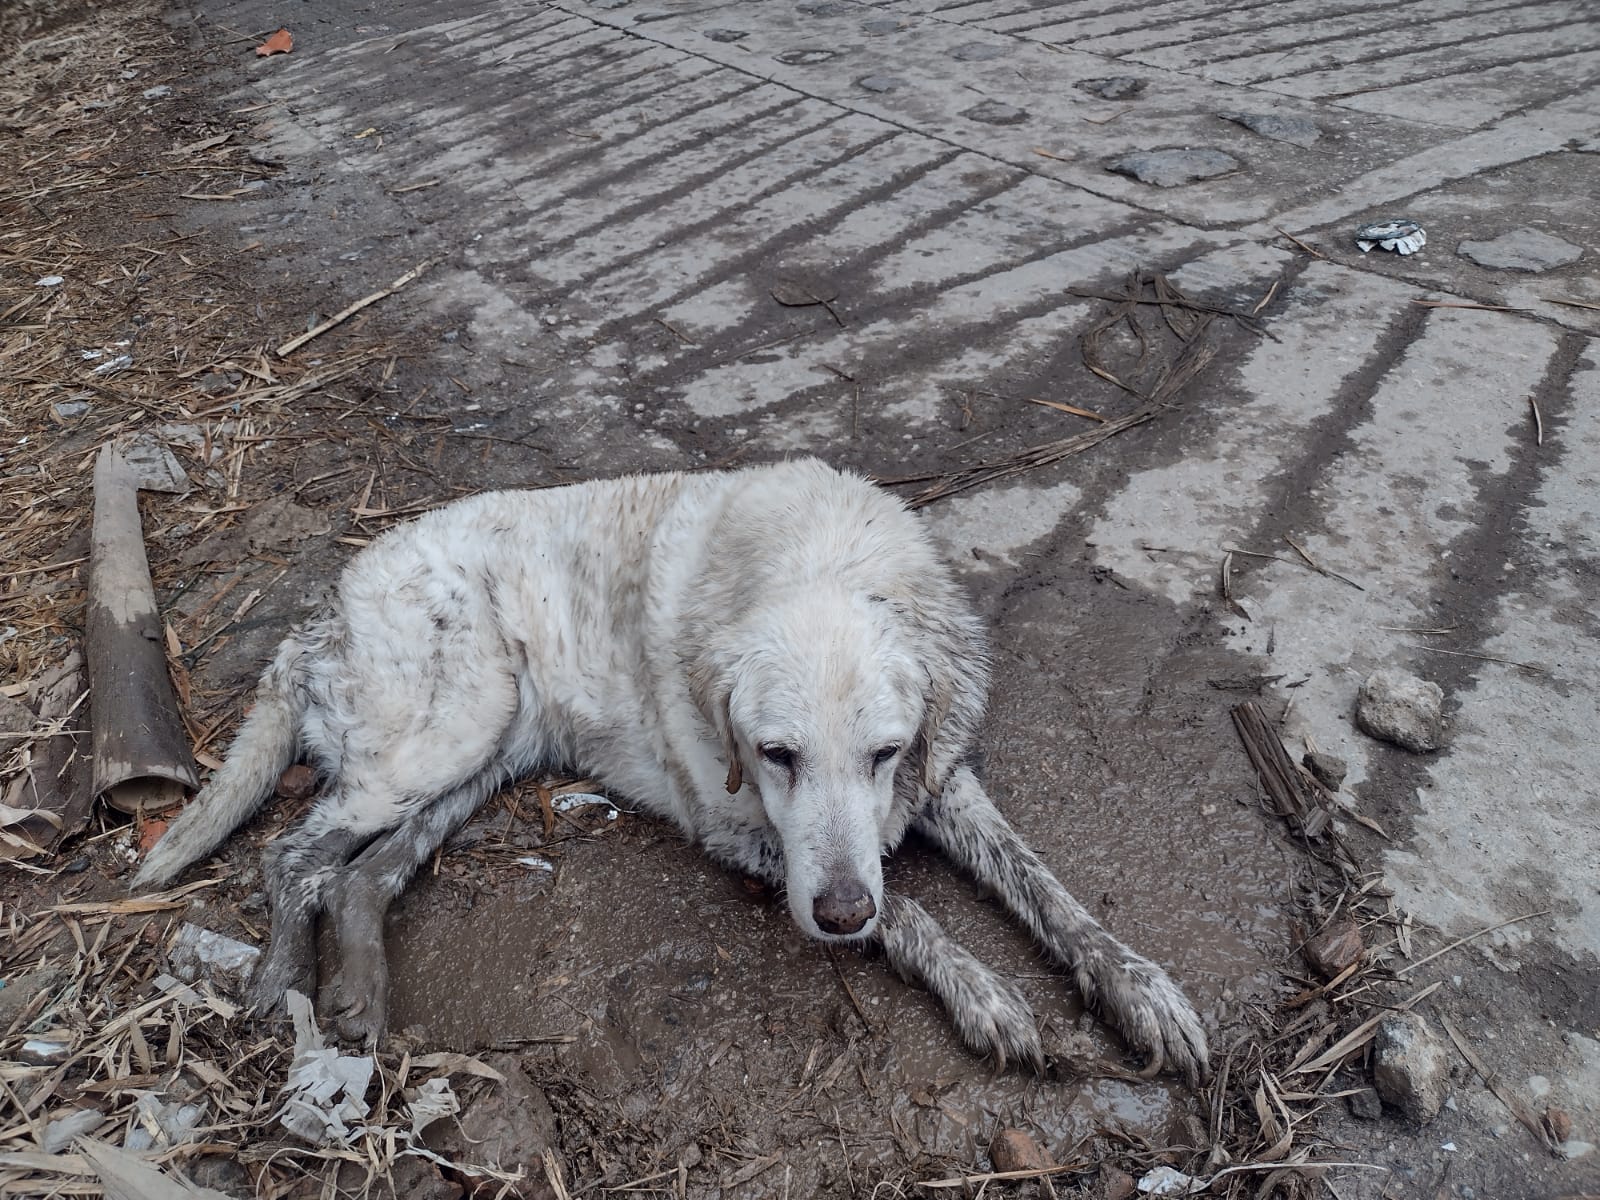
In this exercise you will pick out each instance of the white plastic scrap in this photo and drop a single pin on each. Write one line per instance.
(568, 801)
(160, 1126)
(1400, 235)
(434, 1099)
(1169, 1181)
(59, 1132)
(51, 281)
(204, 954)
(325, 1097)
(537, 863)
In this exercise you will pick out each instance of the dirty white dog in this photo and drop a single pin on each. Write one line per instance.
(775, 659)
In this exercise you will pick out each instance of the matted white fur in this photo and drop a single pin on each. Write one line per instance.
(774, 659)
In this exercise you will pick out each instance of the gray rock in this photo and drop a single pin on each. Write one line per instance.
(155, 468)
(1329, 769)
(1400, 708)
(881, 25)
(1174, 167)
(14, 718)
(979, 51)
(881, 83)
(160, 92)
(727, 35)
(1299, 131)
(993, 112)
(1364, 1104)
(1114, 87)
(827, 8)
(1521, 250)
(1409, 1067)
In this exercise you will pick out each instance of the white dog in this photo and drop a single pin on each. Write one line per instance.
(775, 659)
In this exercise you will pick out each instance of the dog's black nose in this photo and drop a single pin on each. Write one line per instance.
(844, 908)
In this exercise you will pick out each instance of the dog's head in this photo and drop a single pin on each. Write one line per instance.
(844, 710)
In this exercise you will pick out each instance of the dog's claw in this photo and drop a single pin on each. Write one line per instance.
(1141, 1000)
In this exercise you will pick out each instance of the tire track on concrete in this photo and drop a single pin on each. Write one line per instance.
(1304, 30)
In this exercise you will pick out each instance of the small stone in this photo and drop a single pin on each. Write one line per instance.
(1364, 1104)
(1335, 949)
(826, 8)
(1400, 708)
(979, 51)
(879, 26)
(217, 383)
(69, 410)
(805, 58)
(727, 35)
(1015, 1150)
(1115, 1184)
(44, 1052)
(15, 718)
(1298, 131)
(228, 1177)
(159, 92)
(1114, 87)
(1521, 250)
(1409, 1067)
(881, 83)
(1328, 769)
(1175, 166)
(298, 782)
(993, 112)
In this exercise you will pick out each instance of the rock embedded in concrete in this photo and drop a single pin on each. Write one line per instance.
(979, 51)
(1114, 87)
(1299, 131)
(805, 58)
(994, 112)
(880, 83)
(1522, 250)
(1409, 1067)
(1328, 769)
(727, 35)
(1400, 708)
(1175, 166)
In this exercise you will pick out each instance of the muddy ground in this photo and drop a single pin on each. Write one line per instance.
(658, 1020)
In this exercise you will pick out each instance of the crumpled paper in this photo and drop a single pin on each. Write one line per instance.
(325, 1097)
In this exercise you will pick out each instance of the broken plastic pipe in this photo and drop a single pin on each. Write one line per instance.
(140, 757)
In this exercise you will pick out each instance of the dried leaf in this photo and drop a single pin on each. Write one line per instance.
(279, 43)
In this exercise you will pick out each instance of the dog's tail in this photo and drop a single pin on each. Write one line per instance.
(266, 744)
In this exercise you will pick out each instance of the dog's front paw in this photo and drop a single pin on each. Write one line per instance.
(280, 972)
(994, 1018)
(1151, 1011)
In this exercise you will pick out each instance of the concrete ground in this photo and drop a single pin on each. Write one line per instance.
(676, 234)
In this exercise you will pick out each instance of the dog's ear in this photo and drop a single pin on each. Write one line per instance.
(947, 638)
(730, 746)
(712, 693)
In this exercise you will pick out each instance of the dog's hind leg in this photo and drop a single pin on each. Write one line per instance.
(1132, 993)
(362, 892)
(298, 868)
(988, 1011)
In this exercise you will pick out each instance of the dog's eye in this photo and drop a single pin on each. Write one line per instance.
(884, 755)
(779, 756)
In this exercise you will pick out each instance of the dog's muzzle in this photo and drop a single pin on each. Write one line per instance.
(844, 908)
